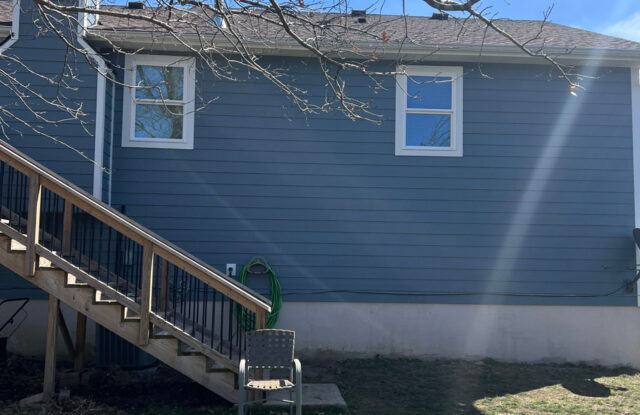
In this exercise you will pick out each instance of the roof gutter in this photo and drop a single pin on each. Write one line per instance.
(15, 28)
(164, 42)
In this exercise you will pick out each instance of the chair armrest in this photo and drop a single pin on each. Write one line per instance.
(298, 375)
(242, 374)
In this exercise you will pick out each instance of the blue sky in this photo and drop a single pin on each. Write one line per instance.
(614, 17)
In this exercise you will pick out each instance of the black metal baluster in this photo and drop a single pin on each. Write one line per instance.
(193, 298)
(205, 297)
(50, 219)
(22, 211)
(138, 268)
(9, 195)
(238, 334)
(231, 304)
(221, 323)
(18, 195)
(109, 258)
(83, 249)
(174, 292)
(100, 250)
(75, 234)
(213, 316)
(126, 263)
(92, 238)
(2, 184)
(182, 299)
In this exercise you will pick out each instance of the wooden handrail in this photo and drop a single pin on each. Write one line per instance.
(136, 232)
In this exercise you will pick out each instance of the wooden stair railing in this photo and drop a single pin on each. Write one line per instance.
(165, 291)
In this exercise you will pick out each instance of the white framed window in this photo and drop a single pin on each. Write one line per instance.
(158, 108)
(429, 111)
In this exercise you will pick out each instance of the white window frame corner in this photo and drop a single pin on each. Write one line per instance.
(128, 107)
(457, 134)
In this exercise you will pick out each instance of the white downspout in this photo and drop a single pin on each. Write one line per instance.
(103, 71)
(113, 113)
(635, 123)
(15, 27)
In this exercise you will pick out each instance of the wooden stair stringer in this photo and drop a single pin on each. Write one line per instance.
(52, 281)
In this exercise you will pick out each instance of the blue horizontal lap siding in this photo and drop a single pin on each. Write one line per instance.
(41, 51)
(341, 218)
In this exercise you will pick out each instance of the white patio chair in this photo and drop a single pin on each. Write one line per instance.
(266, 350)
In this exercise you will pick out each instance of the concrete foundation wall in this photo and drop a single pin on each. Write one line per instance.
(30, 338)
(598, 335)
(607, 336)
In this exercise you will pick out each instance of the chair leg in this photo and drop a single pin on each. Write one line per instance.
(298, 391)
(298, 399)
(242, 391)
(242, 406)
(291, 404)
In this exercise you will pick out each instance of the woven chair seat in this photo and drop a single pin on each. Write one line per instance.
(270, 384)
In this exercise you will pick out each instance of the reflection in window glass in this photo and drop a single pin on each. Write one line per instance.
(428, 130)
(429, 92)
(158, 121)
(159, 82)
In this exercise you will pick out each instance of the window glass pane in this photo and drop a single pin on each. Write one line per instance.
(159, 121)
(161, 82)
(92, 19)
(429, 92)
(428, 130)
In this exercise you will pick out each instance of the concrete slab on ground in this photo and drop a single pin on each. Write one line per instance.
(313, 395)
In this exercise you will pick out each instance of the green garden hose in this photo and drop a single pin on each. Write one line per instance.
(274, 288)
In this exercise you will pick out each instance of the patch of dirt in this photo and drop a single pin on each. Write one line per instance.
(157, 389)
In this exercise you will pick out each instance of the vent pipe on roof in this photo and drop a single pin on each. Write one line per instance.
(135, 5)
(439, 16)
(361, 15)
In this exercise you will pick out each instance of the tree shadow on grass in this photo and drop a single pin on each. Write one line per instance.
(403, 386)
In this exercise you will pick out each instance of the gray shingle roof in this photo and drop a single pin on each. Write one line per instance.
(6, 12)
(413, 30)
(419, 30)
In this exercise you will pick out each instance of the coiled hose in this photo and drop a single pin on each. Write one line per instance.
(259, 265)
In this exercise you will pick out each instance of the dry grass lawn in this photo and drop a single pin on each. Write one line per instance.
(370, 387)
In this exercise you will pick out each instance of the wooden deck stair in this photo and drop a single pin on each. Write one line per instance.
(156, 296)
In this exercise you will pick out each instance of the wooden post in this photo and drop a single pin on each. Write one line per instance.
(261, 319)
(49, 385)
(81, 319)
(146, 294)
(261, 323)
(33, 224)
(81, 330)
(164, 288)
(66, 227)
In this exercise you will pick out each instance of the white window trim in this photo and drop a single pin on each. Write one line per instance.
(128, 116)
(455, 72)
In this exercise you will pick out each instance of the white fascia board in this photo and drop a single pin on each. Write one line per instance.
(635, 122)
(165, 42)
(15, 28)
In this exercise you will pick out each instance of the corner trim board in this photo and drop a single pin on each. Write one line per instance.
(635, 122)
